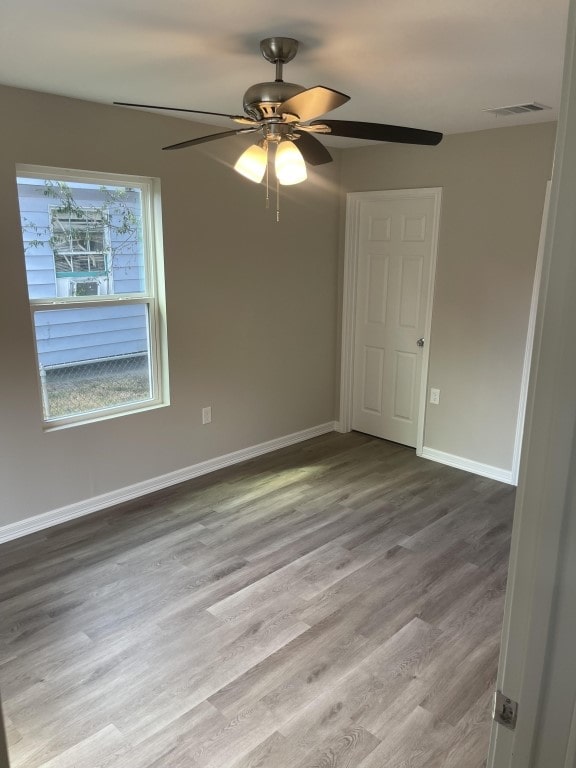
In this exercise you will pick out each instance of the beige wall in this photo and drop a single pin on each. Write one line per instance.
(251, 306)
(493, 194)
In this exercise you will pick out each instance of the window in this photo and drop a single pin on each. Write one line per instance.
(92, 248)
(78, 240)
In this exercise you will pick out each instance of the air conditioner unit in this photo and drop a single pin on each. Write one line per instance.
(84, 287)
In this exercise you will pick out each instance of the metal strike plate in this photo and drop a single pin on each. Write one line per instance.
(505, 710)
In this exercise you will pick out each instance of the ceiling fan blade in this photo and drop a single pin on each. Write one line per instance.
(380, 132)
(180, 109)
(313, 151)
(210, 137)
(312, 103)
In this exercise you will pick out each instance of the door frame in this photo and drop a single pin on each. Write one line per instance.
(529, 343)
(537, 659)
(354, 202)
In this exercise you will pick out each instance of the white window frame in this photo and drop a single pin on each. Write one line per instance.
(153, 297)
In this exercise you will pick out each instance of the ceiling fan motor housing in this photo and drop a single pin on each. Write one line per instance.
(262, 99)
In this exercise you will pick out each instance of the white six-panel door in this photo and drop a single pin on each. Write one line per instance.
(396, 239)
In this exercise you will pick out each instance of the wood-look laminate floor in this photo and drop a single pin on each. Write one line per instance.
(336, 603)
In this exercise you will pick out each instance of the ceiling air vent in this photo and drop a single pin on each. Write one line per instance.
(517, 109)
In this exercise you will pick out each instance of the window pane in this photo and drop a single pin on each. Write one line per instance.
(81, 239)
(92, 358)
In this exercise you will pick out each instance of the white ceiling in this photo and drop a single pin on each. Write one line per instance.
(433, 65)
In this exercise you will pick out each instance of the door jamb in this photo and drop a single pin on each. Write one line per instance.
(536, 657)
(354, 201)
(529, 343)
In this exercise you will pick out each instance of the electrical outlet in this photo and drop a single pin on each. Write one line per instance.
(207, 414)
(434, 396)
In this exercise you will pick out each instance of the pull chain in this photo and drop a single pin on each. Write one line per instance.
(277, 200)
(267, 179)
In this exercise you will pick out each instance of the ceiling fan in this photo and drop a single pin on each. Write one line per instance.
(285, 114)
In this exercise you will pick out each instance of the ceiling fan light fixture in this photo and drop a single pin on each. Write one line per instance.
(289, 163)
(252, 163)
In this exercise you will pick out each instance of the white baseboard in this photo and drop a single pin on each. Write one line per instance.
(476, 467)
(97, 503)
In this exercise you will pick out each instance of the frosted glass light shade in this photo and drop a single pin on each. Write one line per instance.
(290, 165)
(252, 163)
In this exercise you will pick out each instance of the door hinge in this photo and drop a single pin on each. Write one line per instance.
(505, 710)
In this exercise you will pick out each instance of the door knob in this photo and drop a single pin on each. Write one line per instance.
(420, 343)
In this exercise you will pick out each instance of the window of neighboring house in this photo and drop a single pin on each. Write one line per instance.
(92, 246)
(79, 240)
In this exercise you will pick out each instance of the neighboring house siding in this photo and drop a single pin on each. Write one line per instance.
(63, 340)
(69, 337)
